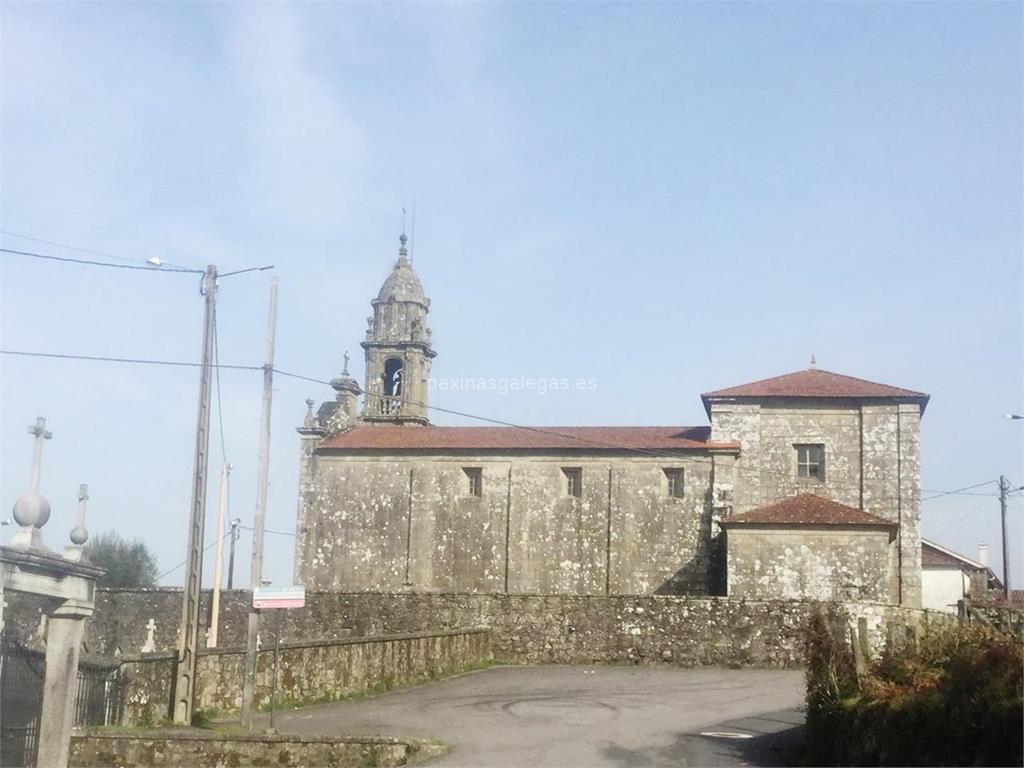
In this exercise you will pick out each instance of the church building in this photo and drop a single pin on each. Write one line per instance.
(802, 486)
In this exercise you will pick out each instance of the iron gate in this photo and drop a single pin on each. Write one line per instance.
(99, 699)
(22, 672)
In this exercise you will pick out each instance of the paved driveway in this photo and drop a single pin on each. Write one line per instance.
(583, 716)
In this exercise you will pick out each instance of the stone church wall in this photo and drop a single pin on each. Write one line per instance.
(819, 564)
(566, 629)
(872, 462)
(393, 523)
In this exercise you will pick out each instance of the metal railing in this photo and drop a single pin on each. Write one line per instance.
(100, 696)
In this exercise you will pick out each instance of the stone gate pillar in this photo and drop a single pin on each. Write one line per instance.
(64, 630)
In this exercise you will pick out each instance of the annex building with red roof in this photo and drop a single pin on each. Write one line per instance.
(801, 486)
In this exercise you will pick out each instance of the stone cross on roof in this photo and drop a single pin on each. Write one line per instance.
(32, 510)
(78, 534)
(41, 434)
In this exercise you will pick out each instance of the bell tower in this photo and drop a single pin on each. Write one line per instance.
(398, 351)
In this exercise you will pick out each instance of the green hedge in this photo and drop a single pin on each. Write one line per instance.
(955, 697)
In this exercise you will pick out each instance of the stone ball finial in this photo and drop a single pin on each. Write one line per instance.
(309, 422)
(79, 535)
(31, 509)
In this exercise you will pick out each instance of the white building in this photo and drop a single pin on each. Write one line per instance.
(948, 577)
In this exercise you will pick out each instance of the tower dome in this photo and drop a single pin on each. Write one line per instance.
(403, 284)
(398, 348)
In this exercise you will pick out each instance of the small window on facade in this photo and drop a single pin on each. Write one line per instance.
(573, 481)
(675, 482)
(810, 461)
(475, 480)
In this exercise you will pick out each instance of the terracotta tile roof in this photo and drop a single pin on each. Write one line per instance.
(397, 438)
(814, 382)
(935, 556)
(806, 509)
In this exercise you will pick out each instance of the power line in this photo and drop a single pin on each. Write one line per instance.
(540, 430)
(963, 517)
(267, 530)
(143, 267)
(134, 360)
(961, 491)
(179, 565)
(602, 443)
(74, 247)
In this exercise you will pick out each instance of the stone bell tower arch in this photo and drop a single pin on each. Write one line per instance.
(398, 348)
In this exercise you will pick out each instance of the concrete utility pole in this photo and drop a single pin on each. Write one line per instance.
(262, 481)
(218, 562)
(1004, 486)
(231, 556)
(185, 677)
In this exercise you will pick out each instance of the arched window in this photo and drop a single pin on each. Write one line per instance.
(393, 377)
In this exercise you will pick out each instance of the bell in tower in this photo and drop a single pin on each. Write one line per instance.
(398, 351)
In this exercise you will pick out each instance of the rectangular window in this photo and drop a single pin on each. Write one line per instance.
(810, 461)
(573, 481)
(474, 480)
(675, 482)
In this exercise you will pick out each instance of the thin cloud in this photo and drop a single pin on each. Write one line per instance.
(304, 147)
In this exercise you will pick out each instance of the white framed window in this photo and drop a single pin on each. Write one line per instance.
(810, 461)
(674, 478)
(474, 481)
(573, 481)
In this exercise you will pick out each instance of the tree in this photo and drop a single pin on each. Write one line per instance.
(127, 563)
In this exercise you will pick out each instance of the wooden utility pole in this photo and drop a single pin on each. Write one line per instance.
(1004, 485)
(262, 481)
(218, 562)
(185, 677)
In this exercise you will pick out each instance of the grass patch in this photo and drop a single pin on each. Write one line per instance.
(204, 718)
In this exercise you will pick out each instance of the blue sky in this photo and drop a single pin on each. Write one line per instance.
(666, 198)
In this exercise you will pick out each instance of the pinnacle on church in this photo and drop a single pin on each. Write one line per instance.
(403, 252)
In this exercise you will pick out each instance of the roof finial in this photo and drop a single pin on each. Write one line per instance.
(344, 370)
(412, 237)
(79, 535)
(402, 239)
(310, 421)
(814, 363)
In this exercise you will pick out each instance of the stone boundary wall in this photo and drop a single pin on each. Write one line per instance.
(308, 672)
(524, 628)
(190, 749)
(564, 629)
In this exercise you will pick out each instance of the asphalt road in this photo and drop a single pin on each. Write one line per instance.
(583, 716)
